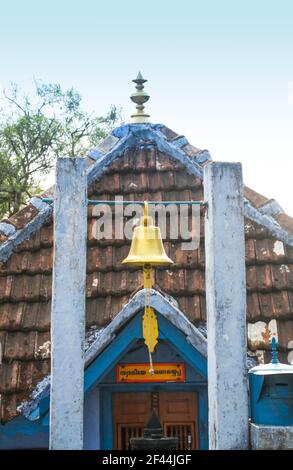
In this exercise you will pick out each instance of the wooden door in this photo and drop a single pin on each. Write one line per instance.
(177, 412)
(130, 411)
(178, 415)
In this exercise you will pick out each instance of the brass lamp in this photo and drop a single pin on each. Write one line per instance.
(147, 250)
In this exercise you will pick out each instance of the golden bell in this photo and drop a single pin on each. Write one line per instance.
(147, 247)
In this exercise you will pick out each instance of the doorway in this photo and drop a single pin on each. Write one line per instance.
(177, 412)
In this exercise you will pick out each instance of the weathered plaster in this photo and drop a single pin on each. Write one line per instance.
(279, 248)
(271, 437)
(272, 207)
(38, 203)
(7, 229)
(6, 249)
(68, 305)
(267, 221)
(226, 307)
(260, 334)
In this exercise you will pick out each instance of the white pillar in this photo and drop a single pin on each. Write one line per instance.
(226, 306)
(68, 304)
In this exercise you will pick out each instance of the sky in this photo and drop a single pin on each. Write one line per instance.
(219, 72)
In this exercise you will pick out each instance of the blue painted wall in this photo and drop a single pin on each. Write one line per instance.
(271, 399)
(91, 436)
(20, 433)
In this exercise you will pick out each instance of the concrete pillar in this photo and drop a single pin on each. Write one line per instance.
(226, 306)
(68, 305)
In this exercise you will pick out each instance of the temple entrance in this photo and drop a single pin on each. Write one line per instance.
(177, 412)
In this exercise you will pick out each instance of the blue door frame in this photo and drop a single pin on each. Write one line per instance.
(106, 420)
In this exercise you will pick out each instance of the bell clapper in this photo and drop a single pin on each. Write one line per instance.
(149, 322)
(147, 281)
(151, 371)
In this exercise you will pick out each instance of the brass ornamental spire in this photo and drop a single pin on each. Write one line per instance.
(139, 98)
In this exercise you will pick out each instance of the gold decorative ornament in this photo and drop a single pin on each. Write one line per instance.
(139, 98)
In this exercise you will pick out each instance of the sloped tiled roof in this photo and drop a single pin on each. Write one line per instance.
(140, 162)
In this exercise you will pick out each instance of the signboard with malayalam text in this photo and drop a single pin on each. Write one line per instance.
(163, 372)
